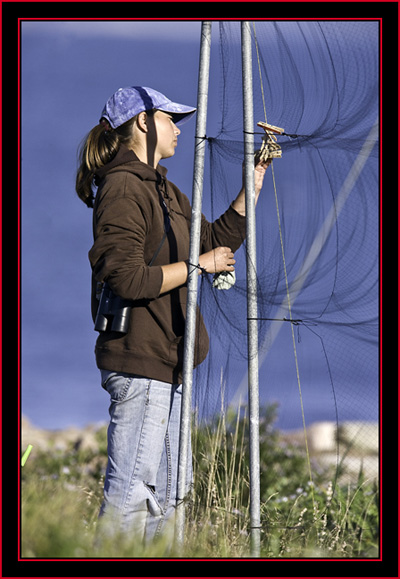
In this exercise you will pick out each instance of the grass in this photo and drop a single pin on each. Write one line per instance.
(61, 493)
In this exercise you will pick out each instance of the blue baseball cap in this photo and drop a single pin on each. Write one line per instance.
(128, 102)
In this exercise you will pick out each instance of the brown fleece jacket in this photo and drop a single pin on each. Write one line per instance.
(128, 225)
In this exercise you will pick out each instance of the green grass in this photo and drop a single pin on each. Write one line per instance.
(61, 493)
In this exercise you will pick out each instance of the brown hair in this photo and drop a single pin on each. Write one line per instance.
(98, 148)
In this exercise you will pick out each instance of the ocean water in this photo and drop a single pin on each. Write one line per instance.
(65, 81)
(66, 78)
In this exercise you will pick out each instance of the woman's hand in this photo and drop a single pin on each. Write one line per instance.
(239, 204)
(218, 259)
(214, 261)
(259, 173)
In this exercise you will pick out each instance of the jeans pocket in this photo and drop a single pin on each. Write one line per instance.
(153, 503)
(116, 384)
(105, 376)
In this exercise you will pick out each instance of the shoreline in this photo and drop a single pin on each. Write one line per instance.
(356, 443)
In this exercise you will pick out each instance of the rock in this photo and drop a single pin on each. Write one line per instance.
(322, 437)
(30, 434)
(78, 438)
(358, 447)
(357, 436)
(360, 437)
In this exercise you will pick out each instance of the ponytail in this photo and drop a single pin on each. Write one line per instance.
(98, 148)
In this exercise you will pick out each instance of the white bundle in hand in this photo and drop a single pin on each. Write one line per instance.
(224, 280)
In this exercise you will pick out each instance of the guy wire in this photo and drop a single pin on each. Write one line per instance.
(286, 282)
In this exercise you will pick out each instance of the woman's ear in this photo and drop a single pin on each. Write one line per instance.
(142, 122)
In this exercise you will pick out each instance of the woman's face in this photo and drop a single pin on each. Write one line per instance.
(165, 135)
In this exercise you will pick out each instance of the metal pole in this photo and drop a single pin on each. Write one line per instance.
(252, 327)
(192, 283)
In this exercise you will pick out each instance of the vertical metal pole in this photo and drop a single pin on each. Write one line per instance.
(252, 327)
(194, 249)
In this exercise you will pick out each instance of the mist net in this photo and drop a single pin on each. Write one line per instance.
(319, 81)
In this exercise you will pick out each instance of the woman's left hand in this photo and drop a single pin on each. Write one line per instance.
(259, 173)
(239, 203)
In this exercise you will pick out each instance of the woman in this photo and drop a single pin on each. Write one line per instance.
(141, 224)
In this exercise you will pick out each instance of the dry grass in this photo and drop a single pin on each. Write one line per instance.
(61, 494)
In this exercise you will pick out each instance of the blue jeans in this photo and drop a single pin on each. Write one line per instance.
(140, 487)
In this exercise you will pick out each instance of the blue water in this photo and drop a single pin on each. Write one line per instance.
(65, 81)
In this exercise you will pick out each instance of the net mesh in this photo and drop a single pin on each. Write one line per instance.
(320, 82)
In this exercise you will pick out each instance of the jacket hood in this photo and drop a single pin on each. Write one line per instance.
(127, 160)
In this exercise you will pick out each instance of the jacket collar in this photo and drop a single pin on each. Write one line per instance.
(127, 160)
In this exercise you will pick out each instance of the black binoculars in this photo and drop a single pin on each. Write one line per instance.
(113, 312)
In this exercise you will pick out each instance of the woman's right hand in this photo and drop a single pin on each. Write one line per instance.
(218, 259)
(214, 261)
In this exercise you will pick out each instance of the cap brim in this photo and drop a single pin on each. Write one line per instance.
(180, 113)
